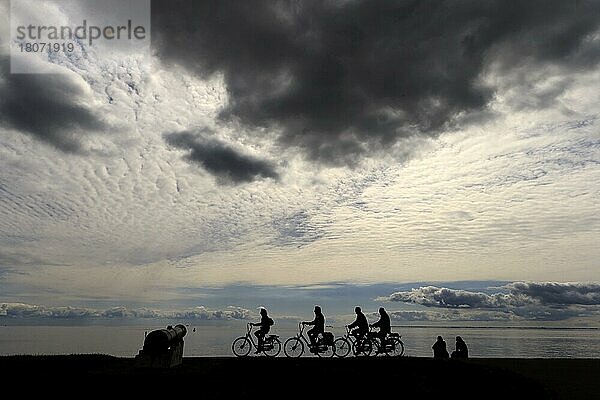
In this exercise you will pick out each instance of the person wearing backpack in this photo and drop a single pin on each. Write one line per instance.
(265, 325)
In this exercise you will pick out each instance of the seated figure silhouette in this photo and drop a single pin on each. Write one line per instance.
(265, 325)
(461, 350)
(383, 324)
(439, 348)
(360, 327)
(318, 327)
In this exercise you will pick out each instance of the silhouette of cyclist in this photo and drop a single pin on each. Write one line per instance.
(360, 327)
(265, 325)
(318, 326)
(383, 324)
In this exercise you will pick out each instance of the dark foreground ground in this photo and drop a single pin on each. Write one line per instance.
(282, 378)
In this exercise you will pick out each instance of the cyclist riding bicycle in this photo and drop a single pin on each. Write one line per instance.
(318, 326)
(265, 325)
(383, 324)
(360, 327)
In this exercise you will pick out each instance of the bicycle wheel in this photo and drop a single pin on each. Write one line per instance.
(293, 347)
(241, 346)
(275, 350)
(397, 350)
(342, 347)
(364, 350)
(328, 353)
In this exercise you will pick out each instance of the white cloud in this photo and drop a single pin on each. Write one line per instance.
(516, 294)
(517, 300)
(556, 293)
(20, 310)
(452, 315)
(513, 198)
(432, 296)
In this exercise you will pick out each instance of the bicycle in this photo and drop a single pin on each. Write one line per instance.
(392, 346)
(294, 346)
(241, 346)
(348, 342)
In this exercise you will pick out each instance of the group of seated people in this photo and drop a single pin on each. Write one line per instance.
(439, 349)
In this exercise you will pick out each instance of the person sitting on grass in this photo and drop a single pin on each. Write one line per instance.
(439, 348)
(265, 325)
(461, 350)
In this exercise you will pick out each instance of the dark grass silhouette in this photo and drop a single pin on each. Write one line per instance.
(85, 375)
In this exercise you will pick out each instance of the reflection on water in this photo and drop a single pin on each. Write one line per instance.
(520, 343)
(214, 339)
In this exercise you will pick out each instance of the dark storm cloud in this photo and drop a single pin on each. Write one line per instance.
(517, 294)
(342, 78)
(219, 159)
(45, 106)
(558, 293)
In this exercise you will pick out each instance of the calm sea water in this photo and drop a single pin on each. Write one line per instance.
(214, 339)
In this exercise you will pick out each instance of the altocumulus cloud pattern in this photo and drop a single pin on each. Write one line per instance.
(355, 140)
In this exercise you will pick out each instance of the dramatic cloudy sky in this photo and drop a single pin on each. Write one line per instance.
(442, 158)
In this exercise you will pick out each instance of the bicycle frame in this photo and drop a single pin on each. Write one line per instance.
(249, 327)
(349, 342)
(294, 346)
(300, 335)
(241, 347)
(352, 338)
(381, 347)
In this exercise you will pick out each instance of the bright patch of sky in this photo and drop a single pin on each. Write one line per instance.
(128, 219)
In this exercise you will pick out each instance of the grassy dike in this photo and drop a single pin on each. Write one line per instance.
(259, 377)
